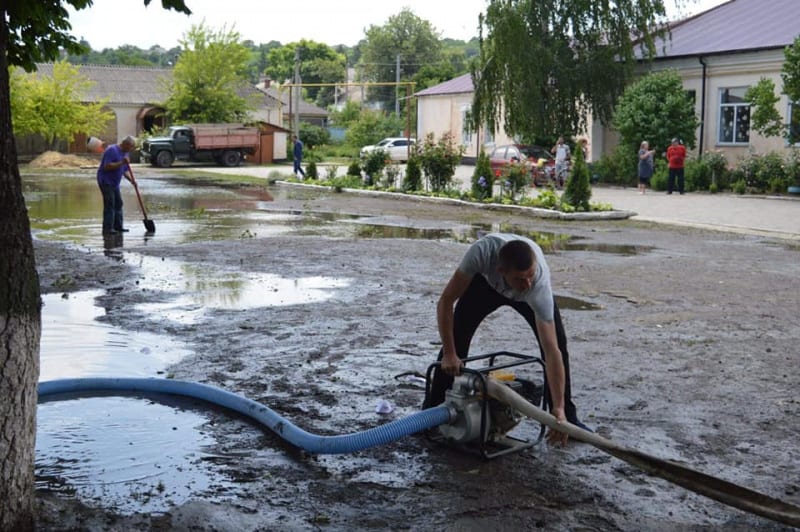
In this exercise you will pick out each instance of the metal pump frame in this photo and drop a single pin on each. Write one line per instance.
(509, 444)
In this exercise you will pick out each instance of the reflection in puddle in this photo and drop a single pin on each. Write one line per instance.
(203, 288)
(102, 350)
(131, 453)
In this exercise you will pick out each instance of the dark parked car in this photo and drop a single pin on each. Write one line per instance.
(541, 160)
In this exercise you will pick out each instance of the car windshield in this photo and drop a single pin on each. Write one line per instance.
(384, 142)
(535, 152)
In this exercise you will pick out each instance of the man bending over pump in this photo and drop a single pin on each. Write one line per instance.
(504, 269)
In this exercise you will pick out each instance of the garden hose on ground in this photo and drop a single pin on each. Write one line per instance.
(347, 443)
(712, 487)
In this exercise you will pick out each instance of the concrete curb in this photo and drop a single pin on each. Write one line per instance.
(518, 209)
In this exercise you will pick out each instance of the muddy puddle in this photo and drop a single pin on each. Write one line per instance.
(147, 454)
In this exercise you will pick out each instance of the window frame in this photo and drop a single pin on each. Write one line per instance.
(736, 106)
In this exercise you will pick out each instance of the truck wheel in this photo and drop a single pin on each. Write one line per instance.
(231, 158)
(164, 159)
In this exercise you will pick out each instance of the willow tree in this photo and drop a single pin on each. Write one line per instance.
(30, 32)
(547, 65)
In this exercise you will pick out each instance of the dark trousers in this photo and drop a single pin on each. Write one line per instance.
(479, 301)
(675, 173)
(298, 168)
(112, 208)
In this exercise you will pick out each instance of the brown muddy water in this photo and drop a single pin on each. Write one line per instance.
(147, 454)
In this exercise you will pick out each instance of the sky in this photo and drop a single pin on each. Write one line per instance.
(113, 23)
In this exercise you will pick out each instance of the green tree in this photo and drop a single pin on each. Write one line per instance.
(319, 63)
(764, 116)
(545, 65)
(209, 78)
(656, 108)
(30, 32)
(52, 106)
(371, 127)
(406, 35)
(790, 74)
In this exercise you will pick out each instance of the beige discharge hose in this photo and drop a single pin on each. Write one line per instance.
(712, 487)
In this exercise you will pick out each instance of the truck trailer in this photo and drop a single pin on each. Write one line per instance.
(225, 144)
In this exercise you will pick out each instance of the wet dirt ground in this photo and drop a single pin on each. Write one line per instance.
(684, 346)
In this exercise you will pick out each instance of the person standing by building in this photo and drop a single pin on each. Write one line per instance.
(562, 154)
(676, 156)
(113, 167)
(646, 164)
(504, 269)
(297, 151)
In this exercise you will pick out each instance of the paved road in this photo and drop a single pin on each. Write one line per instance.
(765, 215)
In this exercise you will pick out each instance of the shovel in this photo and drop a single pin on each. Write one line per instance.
(149, 225)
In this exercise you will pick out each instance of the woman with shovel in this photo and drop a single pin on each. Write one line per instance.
(113, 166)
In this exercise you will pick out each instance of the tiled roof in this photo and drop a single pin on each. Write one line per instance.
(138, 86)
(458, 85)
(121, 84)
(735, 26)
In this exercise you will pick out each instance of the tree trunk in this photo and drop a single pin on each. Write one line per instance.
(20, 327)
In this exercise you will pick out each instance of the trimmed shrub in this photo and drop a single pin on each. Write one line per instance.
(579, 190)
(413, 178)
(482, 178)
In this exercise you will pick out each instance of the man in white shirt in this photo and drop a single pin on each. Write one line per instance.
(562, 153)
(504, 269)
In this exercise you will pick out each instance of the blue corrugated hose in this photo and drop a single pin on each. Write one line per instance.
(346, 443)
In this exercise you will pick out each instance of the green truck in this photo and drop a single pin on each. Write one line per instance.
(224, 144)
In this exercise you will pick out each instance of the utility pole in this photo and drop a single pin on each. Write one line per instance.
(296, 90)
(396, 88)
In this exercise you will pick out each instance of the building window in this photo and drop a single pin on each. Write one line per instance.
(488, 134)
(734, 117)
(691, 94)
(466, 132)
(794, 123)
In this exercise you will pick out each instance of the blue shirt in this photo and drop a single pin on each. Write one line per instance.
(113, 154)
(298, 149)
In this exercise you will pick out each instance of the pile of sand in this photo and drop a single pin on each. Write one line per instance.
(53, 159)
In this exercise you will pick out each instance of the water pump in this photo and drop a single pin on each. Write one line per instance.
(482, 423)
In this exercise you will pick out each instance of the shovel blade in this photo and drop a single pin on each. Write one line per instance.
(149, 225)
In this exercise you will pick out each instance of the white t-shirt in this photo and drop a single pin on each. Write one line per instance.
(482, 257)
(562, 152)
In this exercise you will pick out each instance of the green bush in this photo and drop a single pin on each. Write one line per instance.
(354, 168)
(313, 136)
(413, 178)
(311, 171)
(439, 160)
(579, 190)
(698, 175)
(740, 186)
(515, 178)
(482, 178)
(373, 164)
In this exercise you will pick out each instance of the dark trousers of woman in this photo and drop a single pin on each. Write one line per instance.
(472, 307)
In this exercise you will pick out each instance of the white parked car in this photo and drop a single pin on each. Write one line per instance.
(397, 148)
